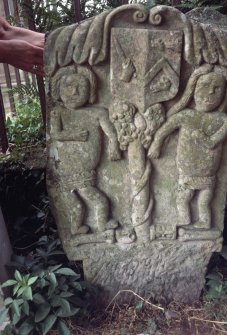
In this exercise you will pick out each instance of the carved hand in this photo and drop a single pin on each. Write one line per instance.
(201, 139)
(66, 135)
(114, 153)
(154, 150)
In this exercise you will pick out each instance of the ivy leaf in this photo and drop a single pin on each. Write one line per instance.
(63, 329)
(42, 312)
(48, 323)
(66, 272)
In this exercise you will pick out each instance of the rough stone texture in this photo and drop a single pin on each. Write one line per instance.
(137, 152)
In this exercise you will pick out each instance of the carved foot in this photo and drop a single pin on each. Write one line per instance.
(105, 237)
(81, 230)
(111, 224)
(201, 224)
(125, 236)
(186, 234)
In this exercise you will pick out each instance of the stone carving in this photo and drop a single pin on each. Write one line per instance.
(137, 157)
(202, 130)
(77, 148)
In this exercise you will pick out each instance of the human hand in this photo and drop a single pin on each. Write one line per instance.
(22, 55)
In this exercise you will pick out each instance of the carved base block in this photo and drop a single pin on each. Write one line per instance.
(166, 270)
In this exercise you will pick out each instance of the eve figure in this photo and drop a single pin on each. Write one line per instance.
(202, 129)
(77, 137)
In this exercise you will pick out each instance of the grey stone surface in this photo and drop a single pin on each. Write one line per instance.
(137, 152)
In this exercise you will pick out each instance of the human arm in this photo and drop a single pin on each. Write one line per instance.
(65, 134)
(210, 142)
(21, 48)
(108, 128)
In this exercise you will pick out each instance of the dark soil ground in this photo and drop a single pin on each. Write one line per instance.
(176, 319)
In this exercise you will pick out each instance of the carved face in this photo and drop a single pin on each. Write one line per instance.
(209, 92)
(74, 90)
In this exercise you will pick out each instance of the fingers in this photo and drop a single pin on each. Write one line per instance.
(37, 70)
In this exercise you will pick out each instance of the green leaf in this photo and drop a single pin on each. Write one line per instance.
(8, 301)
(25, 308)
(38, 298)
(63, 329)
(32, 280)
(66, 294)
(16, 308)
(77, 286)
(62, 314)
(52, 279)
(56, 301)
(16, 318)
(53, 268)
(3, 315)
(27, 294)
(66, 272)
(16, 288)
(21, 290)
(26, 328)
(48, 323)
(17, 275)
(9, 282)
(42, 312)
(65, 305)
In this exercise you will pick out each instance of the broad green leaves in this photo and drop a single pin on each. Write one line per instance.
(40, 302)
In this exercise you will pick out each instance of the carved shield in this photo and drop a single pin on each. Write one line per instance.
(145, 65)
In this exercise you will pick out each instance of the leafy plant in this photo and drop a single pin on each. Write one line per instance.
(216, 287)
(27, 126)
(40, 302)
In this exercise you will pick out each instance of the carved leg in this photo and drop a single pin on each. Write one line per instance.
(204, 200)
(73, 209)
(99, 203)
(183, 205)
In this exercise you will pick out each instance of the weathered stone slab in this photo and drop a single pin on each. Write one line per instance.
(137, 152)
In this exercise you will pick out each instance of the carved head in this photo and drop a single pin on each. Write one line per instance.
(207, 85)
(209, 92)
(75, 86)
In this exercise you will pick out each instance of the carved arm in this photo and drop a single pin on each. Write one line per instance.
(212, 141)
(167, 128)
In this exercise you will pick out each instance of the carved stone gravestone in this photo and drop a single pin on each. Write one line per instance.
(137, 157)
